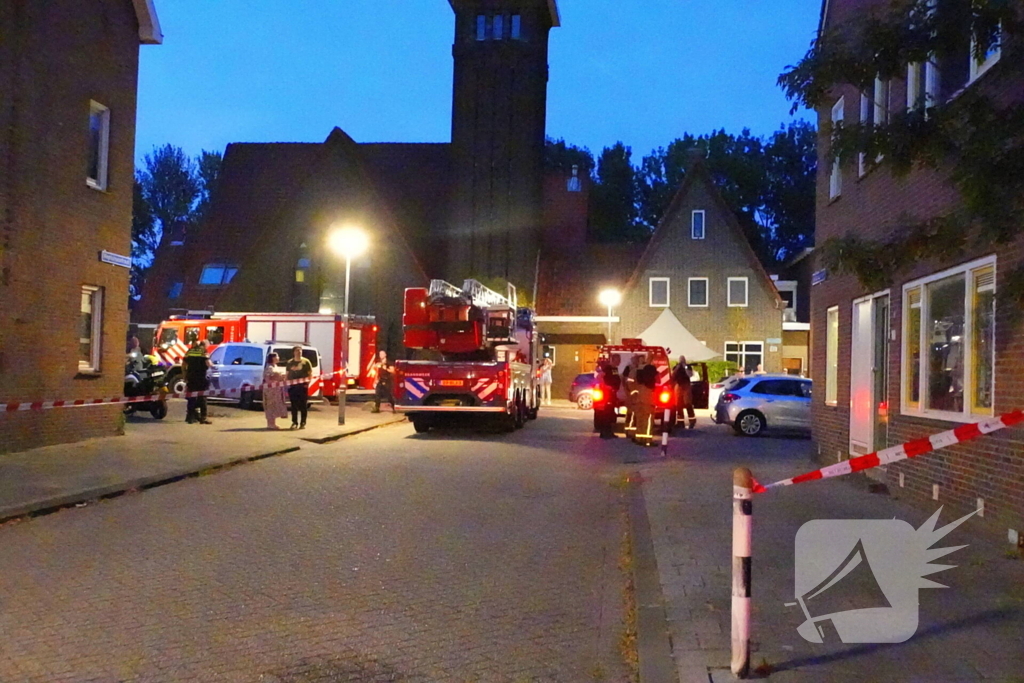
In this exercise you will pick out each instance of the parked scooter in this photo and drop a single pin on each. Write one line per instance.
(143, 377)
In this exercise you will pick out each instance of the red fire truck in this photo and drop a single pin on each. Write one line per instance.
(488, 348)
(635, 354)
(323, 331)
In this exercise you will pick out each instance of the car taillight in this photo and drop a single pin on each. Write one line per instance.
(598, 394)
(729, 397)
(665, 397)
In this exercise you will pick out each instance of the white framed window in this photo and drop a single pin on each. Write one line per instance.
(216, 274)
(90, 329)
(697, 224)
(835, 179)
(867, 118)
(922, 85)
(981, 64)
(948, 363)
(881, 106)
(749, 355)
(737, 292)
(832, 356)
(658, 292)
(99, 146)
(697, 292)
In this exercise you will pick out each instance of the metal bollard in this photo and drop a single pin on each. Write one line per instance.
(664, 432)
(742, 507)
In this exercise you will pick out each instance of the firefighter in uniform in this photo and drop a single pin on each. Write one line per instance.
(196, 363)
(643, 408)
(684, 391)
(384, 387)
(631, 387)
(611, 383)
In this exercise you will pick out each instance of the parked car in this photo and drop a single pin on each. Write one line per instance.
(754, 404)
(238, 365)
(582, 391)
(716, 389)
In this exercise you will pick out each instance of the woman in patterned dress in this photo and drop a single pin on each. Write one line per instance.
(274, 405)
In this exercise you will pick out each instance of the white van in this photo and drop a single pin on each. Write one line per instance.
(238, 365)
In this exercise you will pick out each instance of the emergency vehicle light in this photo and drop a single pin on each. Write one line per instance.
(665, 397)
(598, 395)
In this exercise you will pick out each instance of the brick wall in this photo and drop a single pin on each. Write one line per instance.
(62, 54)
(992, 467)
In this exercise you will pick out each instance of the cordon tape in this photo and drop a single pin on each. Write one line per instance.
(21, 406)
(911, 449)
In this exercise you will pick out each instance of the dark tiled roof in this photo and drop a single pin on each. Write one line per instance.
(418, 182)
(569, 284)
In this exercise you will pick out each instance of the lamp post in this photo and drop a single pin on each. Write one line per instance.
(348, 243)
(610, 298)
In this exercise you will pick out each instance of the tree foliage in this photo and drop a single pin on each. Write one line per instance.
(172, 192)
(977, 142)
(768, 182)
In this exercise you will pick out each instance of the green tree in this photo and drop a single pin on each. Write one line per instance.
(145, 237)
(560, 155)
(976, 141)
(207, 173)
(614, 198)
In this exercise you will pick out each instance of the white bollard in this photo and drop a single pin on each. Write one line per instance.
(664, 432)
(742, 507)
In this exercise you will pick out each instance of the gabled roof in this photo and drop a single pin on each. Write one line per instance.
(552, 6)
(698, 171)
(569, 282)
(149, 24)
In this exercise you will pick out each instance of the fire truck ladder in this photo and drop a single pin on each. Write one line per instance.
(485, 297)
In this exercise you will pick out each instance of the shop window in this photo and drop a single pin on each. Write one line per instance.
(949, 343)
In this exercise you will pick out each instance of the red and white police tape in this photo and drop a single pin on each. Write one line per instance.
(22, 406)
(911, 449)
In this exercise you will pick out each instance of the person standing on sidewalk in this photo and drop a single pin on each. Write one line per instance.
(545, 381)
(299, 368)
(196, 364)
(684, 391)
(274, 405)
(611, 383)
(383, 390)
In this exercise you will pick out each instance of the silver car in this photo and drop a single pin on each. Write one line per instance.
(756, 403)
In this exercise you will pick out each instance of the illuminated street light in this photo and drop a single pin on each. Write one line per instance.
(348, 242)
(610, 298)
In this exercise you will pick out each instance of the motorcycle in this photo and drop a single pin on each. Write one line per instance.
(143, 377)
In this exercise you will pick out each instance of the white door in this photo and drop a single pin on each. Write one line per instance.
(862, 378)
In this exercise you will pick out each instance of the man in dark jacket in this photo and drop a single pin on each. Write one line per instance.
(196, 363)
(611, 383)
(299, 368)
(684, 391)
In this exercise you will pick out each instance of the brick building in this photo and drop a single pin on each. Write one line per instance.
(471, 208)
(696, 287)
(68, 78)
(938, 347)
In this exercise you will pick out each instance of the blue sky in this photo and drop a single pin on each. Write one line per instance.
(640, 71)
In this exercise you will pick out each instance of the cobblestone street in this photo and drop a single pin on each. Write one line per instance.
(387, 556)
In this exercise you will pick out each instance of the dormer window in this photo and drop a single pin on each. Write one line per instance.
(481, 27)
(499, 27)
(517, 26)
(574, 184)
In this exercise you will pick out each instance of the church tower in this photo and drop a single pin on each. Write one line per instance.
(499, 111)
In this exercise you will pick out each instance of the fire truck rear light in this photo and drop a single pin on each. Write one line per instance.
(665, 397)
(598, 395)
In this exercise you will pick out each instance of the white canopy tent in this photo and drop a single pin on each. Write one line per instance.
(668, 332)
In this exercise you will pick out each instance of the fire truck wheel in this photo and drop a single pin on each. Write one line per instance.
(420, 425)
(520, 414)
(177, 383)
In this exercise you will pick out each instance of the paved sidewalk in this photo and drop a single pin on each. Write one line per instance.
(156, 450)
(971, 631)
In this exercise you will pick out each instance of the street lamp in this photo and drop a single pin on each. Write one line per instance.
(610, 298)
(347, 242)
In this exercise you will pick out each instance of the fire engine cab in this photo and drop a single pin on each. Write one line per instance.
(488, 347)
(325, 332)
